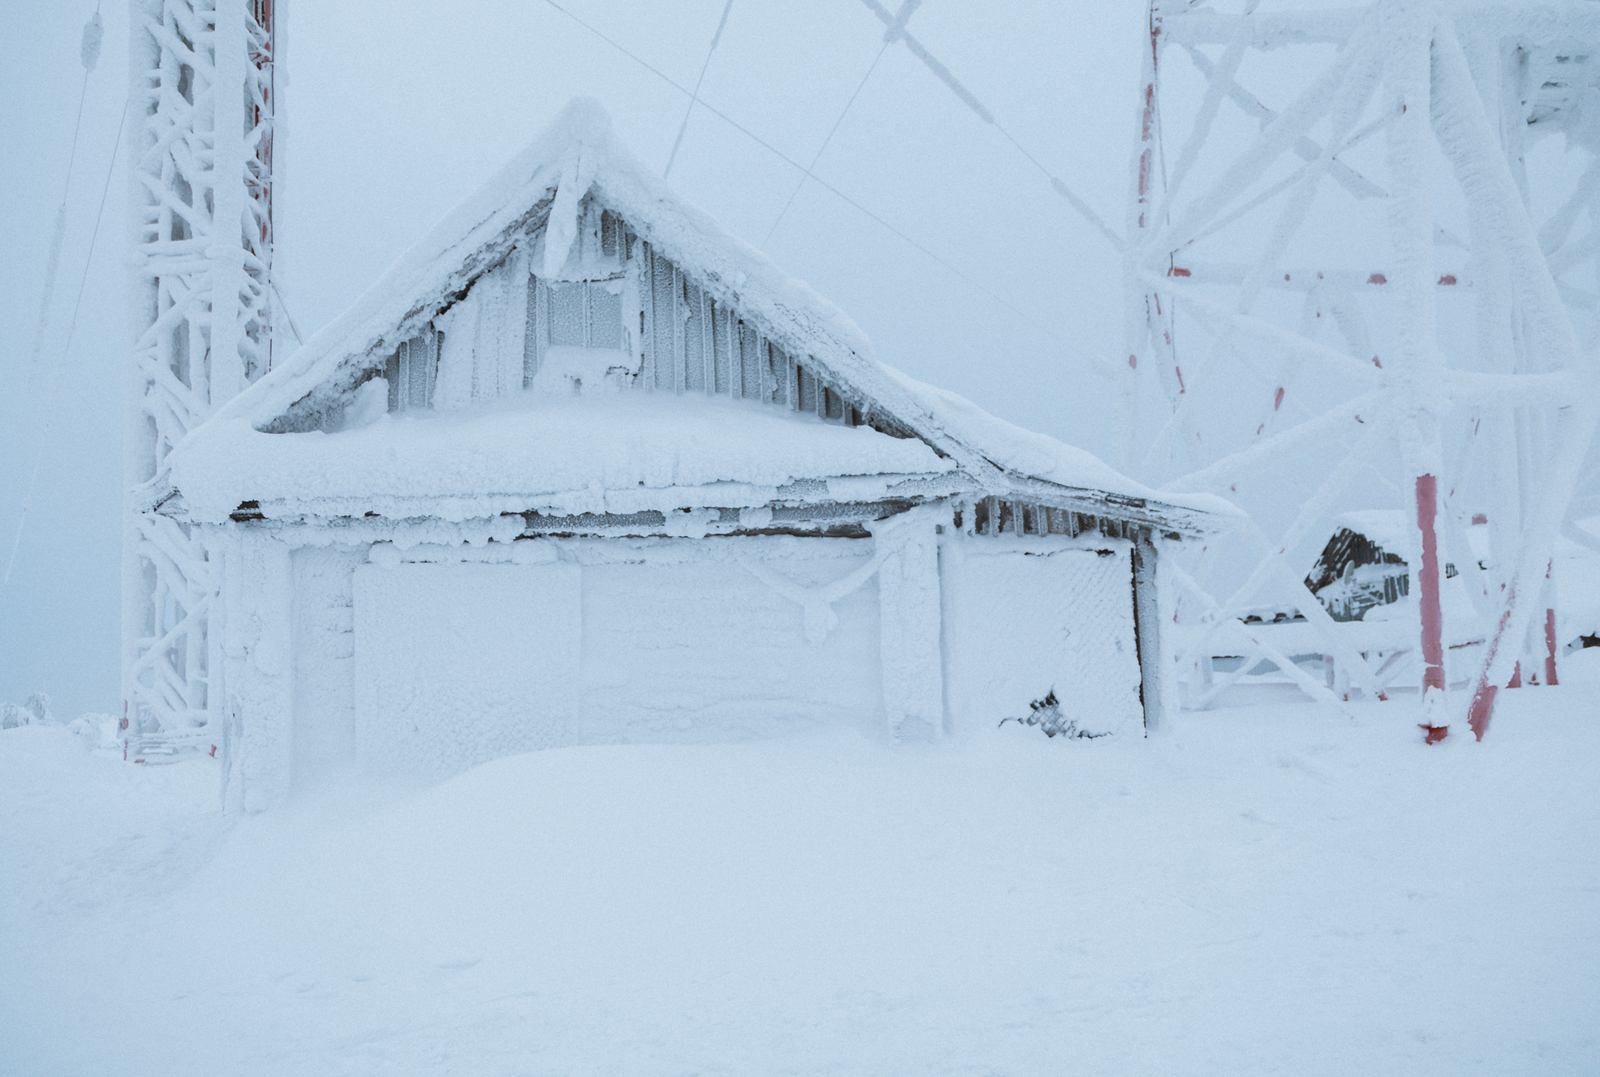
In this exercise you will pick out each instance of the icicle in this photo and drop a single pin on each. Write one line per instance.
(562, 229)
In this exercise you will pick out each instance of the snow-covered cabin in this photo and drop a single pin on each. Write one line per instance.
(582, 467)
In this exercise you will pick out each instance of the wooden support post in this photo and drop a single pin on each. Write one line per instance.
(1147, 628)
(911, 623)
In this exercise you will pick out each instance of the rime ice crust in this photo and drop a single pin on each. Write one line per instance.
(541, 188)
(618, 452)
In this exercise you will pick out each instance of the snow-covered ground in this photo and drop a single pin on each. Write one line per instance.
(1257, 890)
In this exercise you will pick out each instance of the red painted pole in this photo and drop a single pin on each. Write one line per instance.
(1550, 646)
(1429, 606)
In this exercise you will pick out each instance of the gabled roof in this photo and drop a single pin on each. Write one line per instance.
(577, 155)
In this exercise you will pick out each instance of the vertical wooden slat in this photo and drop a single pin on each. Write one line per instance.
(791, 381)
(391, 374)
(647, 319)
(680, 358)
(750, 363)
(708, 341)
(530, 333)
(735, 356)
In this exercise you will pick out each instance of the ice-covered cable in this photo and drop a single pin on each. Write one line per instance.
(55, 388)
(770, 148)
(820, 149)
(694, 97)
(897, 32)
(88, 56)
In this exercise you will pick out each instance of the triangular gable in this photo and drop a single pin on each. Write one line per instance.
(534, 209)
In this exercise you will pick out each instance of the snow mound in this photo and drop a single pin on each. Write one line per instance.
(1255, 891)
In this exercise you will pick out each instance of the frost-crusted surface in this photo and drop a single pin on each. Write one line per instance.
(1021, 625)
(577, 148)
(631, 642)
(1023, 452)
(1245, 894)
(533, 447)
(576, 155)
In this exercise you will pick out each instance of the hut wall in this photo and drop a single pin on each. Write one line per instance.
(1025, 618)
(598, 641)
(324, 644)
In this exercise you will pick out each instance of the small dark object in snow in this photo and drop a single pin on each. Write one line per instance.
(1046, 714)
(1590, 641)
(1436, 733)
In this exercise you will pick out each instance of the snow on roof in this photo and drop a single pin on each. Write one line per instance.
(617, 452)
(577, 153)
(1385, 528)
(1020, 451)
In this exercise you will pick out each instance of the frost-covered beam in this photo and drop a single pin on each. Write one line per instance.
(911, 621)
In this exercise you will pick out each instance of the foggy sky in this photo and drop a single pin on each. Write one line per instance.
(394, 110)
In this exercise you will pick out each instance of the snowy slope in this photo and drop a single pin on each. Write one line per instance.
(1256, 891)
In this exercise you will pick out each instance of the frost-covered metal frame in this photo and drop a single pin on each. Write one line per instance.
(1471, 84)
(202, 94)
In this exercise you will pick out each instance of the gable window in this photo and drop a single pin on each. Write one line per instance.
(583, 306)
(618, 308)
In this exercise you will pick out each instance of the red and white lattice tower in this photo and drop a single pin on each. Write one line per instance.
(200, 230)
(1347, 289)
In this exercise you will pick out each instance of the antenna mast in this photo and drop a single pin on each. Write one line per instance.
(201, 234)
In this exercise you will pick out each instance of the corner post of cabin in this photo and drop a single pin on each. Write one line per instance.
(910, 612)
(258, 670)
(1147, 624)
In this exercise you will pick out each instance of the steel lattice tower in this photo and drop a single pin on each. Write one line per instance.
(1353, 279)
(201, 233)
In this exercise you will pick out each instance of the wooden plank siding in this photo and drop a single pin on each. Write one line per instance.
(997, 516)
(680, 337)
(411, 371)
